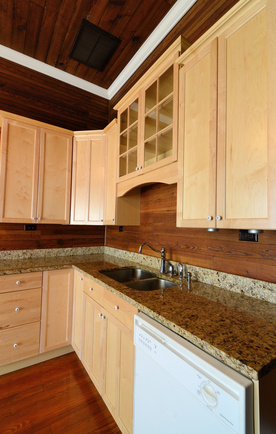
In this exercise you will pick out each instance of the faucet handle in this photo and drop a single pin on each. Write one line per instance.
(180, 270)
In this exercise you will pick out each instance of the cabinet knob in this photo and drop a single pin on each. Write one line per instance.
(17, 309)
(140, 167)
(99, 315)
(218, 217)
(101, 220)
(39, 218)
(209, 217)
(15, 345)
(17, 282)
(90, 289)
(116, 307)
(102, 317)
(112, 220)
(136, 168)
(81, 278)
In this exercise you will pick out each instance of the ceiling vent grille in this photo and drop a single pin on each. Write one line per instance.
(93, 46)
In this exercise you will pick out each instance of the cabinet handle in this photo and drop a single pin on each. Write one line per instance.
(136, 168)
(102, 317)
(116, 307)
(81, 278)
(209, 217)
(218, 217)
(39, 218)
(99, 315)
(112, 220)
(17, 282)
(140, 167)
(15, 345)
(17, 309)
(90, 289)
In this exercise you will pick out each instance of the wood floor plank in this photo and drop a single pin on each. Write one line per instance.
(53, 397)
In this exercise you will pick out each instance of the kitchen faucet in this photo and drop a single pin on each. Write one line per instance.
(163, 256)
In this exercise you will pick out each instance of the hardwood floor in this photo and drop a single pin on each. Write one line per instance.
(53, 397)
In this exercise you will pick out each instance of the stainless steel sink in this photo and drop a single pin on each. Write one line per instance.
(123, 275)
(150, 284)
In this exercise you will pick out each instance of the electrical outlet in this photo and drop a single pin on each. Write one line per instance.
(30, 227)
(245, 236)
(121, 228)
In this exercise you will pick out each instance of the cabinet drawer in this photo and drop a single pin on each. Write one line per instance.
(13, 282)
(19, 307)
(19, 343)
(119, 308)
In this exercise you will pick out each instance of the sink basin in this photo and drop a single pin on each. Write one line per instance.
(123, 275)
(150, 284)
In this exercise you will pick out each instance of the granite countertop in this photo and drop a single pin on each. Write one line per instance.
(236, 329)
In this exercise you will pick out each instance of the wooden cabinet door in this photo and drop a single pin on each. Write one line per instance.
(54, 177)
(88, 178)
(247, 109)
(19, 171)
(119, 373)
(77, 324)
(56, 316)
(196, 201)
(110, 173)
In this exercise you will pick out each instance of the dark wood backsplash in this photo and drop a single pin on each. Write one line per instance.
(13, 236)
(220, 250)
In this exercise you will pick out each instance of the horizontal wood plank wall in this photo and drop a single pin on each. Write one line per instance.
(220, 250)
(37, 96)
(13, 236)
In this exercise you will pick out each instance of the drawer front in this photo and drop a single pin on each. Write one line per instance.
(94, 290)
(19, 307)
(19, 343)
(14, 282)
(119, 308)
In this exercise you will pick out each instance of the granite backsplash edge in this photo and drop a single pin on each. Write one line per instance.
(262, 290)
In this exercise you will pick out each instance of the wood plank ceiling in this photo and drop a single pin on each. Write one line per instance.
(46, 29)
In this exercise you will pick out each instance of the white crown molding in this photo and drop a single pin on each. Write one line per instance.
(175, 14)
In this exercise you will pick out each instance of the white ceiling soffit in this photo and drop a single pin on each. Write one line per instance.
(179, 9)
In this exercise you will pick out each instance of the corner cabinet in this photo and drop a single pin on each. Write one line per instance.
(35, 171)
(148, 118)
(227, 150)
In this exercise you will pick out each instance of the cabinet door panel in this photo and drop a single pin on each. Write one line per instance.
(56, 318)
(197, 156)
(19, 171)
(126, 380)
(18, 343)
(54, 177)
(246, 178)
(77, 325)
(96, 196)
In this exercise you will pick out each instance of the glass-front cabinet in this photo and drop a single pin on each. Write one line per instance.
(147, 117)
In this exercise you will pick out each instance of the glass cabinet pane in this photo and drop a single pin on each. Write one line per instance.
(123, 166)
(133, 112)
(165, 84)
(133, 137)
(150, 152)
(151, 94)
(132, 161)
(123, 143)
(150, 124)
(165, 117)
(164, 145)
(123, 121)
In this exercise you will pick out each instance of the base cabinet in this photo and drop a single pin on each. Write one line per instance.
(20, 304)
(77, 323)
(108, 350)
(56, 315)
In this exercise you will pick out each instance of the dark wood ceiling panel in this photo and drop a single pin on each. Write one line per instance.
(20, 18)
(6, 14)
(33, 28)
(49, 19)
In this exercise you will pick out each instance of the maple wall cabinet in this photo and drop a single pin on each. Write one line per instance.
(20, 305)
(88, 180)
(56, 315)
(35, 171)
(227, 150)
(147, 117)
(108, 349)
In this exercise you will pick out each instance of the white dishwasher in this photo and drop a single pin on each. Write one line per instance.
(179, 388)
